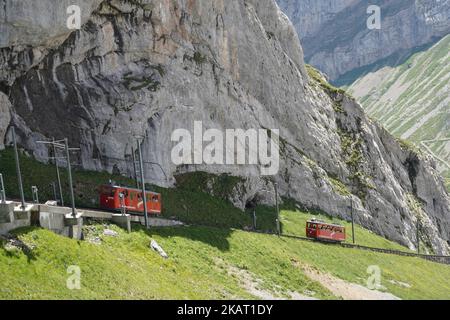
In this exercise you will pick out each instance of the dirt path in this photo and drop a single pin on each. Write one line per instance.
(347, 290)
(253, 286)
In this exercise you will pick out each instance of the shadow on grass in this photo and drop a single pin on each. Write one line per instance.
(211, 236)
(13, 246)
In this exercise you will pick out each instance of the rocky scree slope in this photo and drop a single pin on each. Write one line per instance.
(149, 67)
(336, 39)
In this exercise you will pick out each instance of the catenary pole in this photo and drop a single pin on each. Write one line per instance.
(19, 173)
(69, 169)
(144, 195)
(278, 209)
(58, 176)
(2, 185)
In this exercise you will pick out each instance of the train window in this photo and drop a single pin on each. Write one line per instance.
(131, 196)
(155, 198)
(108, 191)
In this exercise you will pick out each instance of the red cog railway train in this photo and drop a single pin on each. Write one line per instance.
(110, 199)
(323, 231)
(114, 198)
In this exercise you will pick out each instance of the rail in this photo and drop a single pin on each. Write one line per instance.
(434, 258)
(95, 213)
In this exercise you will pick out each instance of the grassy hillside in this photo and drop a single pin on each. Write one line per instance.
(215, 261)
(204, 263)
(412, 100)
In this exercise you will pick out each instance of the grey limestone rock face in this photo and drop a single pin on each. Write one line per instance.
(150, 67)
(5, 118)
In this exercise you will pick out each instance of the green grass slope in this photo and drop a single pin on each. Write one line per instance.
(202, 264)
(412, 100)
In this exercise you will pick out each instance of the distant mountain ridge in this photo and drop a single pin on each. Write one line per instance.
(413, 100)
(336, 40)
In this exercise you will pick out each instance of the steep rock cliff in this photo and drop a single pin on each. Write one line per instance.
(150, 67)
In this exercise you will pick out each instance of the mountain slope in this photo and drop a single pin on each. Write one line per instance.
(207, 263)
(150, 67)
(413, 100)
(336, 39)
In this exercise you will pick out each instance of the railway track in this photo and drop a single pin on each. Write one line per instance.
(434, 258)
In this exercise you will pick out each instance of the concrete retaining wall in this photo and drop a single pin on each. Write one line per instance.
(56, 219)
(156, 222)
(11, 219)
(59, 219)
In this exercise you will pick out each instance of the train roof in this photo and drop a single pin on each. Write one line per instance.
(324, 222)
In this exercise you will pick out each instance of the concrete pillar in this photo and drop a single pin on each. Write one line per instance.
(123, 221)
(6, 210)
(23, 214)
(75, 226)
(13, 217)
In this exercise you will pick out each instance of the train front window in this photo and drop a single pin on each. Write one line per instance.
(108, 191)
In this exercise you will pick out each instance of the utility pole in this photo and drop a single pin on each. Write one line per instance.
(34, 192)
(278, 209)
(69, 168)
(418, 235)
(19, 174)
(58, 175)
(144, 195)
(353, 221)
(64, 144)
(55, 196)
(2, 185)
(122, 204)
(133, 152)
